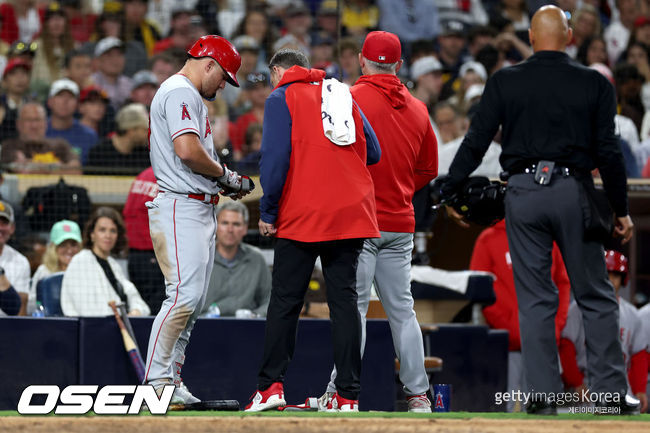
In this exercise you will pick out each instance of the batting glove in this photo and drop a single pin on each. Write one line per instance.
(234, 185)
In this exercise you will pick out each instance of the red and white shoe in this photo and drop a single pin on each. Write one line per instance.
(340, 404)
(271, 398)
(419, 403)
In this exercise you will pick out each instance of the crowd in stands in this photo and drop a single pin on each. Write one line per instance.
(84, 60)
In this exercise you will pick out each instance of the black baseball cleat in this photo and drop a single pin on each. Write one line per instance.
(541, 407)
(626, 406)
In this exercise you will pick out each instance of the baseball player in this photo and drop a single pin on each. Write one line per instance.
(409, 161)
(182, 220)
(573, 351)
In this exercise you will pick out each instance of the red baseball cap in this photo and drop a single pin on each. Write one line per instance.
(382, 47)
(641, 21)
(16, 63)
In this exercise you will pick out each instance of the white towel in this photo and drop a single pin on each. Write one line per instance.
(454, 280)
(336, 112)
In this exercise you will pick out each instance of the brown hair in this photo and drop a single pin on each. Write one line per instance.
(115, 216)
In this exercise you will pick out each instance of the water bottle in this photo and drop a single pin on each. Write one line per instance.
(213, 311)
(39, 311)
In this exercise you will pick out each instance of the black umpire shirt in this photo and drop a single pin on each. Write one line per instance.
(550, 108)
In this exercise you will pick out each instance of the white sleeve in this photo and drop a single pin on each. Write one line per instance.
(182, 111)
(77, 289)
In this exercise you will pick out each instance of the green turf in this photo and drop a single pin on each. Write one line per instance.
(450, 415)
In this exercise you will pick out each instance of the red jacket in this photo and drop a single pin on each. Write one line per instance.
(491, 254)
(136, 217)
(409, 150)
(313, 189)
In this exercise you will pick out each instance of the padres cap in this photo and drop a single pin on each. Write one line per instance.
(64, 230)
(6, 211)
(382, 47)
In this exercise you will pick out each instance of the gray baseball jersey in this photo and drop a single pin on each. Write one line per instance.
(644, 315)
(631, 333)
(178, 109)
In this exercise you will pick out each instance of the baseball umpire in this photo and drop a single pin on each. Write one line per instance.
(182, 216)
(557, 120)
(318, 201)
(409, 161)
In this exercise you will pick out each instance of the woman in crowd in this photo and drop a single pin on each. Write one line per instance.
(93, 277)
(65, 242)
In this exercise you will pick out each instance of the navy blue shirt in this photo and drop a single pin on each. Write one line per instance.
(81, 137)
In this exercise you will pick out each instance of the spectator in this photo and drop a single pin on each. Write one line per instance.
(256, 25)
(145, 85)
(126, 151)
(32, 152)
(240, 279)
(14, 273)
(143, 267)
(641, 31)
(161, 12)
(297, 22)
(471, 13)
(218, 113)
(449, 122)
(632, 337)
(592, 50)
(94, 109)
(491, 254)
(617, 34)
(53, 44)
(138, 27)
(65, 242)
(516, 12)
(80, 19)
(628, 91)
(179, 33)
(478, 37)
(249, 164)
(223, 17)
(360, 17)
(426, 72)
(109, 55)
(111, 24)
(27, 19)
(256, 89)
(586, 24)
(410, 20)
(322, 54)
(164, 65)
(15, 81)
(470, 74)
(78, 68)
(8, 23)
(327, 18)
(638, 54)
(348, 57)
(249, 51)
(33, 248)
(93, 277)
(63, 103)
(451, 43)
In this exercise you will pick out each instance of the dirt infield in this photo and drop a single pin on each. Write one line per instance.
(308, 425)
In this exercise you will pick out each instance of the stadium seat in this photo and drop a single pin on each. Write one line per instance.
(48, 293)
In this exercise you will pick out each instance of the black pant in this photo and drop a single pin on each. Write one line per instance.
(145, 273)
(536, 216)
(293, 264)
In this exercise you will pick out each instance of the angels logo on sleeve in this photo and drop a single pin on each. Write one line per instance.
(208, 130)
(185, 114)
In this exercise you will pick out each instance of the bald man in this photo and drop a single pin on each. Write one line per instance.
(557, 119)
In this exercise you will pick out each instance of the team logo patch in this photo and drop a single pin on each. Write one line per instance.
(208, 130)
(382, 57)
(185, 114)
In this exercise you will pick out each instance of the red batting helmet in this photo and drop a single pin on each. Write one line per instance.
(616, 262)
(222, 51)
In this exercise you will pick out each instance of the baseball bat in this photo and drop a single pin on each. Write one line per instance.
(129, 344)
(125, 318)
(207, 405)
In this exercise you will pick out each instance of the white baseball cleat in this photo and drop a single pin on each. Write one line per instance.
(340, 404)
(271, 398)
(419, 403)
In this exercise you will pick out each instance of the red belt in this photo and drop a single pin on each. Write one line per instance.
(206, 198)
